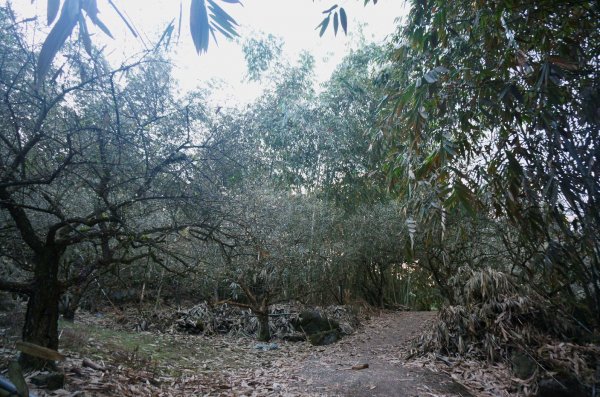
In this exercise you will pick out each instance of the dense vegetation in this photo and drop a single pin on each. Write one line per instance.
(466, 149)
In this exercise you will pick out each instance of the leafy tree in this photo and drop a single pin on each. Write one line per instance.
(260, 53)
(374, 241)
(279, 125)
(320, 145)
(347, 113)
(317, 142)
(107, 169)
(274, 241)
(493, 107)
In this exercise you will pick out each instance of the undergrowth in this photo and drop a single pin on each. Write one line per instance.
(498, 320)
(157, 353)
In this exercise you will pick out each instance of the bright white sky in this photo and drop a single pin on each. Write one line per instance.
(292, 20)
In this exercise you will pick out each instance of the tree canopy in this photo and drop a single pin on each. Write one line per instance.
(207, 18)
(493, 106)
(454, 167)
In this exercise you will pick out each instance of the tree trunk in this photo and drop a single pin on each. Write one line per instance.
(381, 286)
(41, 319)
(264, 334)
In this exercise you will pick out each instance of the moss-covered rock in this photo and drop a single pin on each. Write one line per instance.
(319, 330)
(325, 337)
(49, 380)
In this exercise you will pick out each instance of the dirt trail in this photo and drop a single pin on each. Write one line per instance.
(382, 343)
(232, 366)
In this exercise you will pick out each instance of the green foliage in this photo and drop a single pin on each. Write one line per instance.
(339, 16)
(71, 15)
(98, 174)
(489, 108)
(207, 18)
(260, 53)
(319, 143)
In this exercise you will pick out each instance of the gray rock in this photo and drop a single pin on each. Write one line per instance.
(325, 337)
(311, 322)
(522, 365)
(49, 380)
(561, 387)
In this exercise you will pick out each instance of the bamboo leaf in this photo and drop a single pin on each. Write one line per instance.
(85, 35)
(323, 25)
(15, 374)
(199, 27)
(131, 29)
(223, 24)
(39, 351)
(56, 38)
(179, 21)
(333, 7)
(344, 20)
(167, 34)
(53, 7)
(563, 63)
(220, 14)
(215, 26)
(430, 77)
(91, 9)
(335, 23)
(411, 225)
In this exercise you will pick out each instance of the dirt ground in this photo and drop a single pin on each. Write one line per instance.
(381, 344)
(130, 363)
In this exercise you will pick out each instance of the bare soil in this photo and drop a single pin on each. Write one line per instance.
(133, 363)
(381, 345)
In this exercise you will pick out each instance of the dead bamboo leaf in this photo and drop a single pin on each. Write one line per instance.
(39, 351)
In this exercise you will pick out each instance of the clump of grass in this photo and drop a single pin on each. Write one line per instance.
(132, 357)
(73, 338)
(152, 352)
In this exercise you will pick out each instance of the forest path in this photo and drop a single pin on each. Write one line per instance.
(381, 344)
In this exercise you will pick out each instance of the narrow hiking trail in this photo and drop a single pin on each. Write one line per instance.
(193, 365)
(381, 343)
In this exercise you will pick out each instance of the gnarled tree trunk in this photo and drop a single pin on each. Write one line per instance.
(264, 333)
(41, 319)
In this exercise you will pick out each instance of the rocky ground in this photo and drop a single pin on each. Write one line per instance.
(104, 358)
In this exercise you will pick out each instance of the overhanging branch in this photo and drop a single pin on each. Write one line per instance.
(13, 286)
